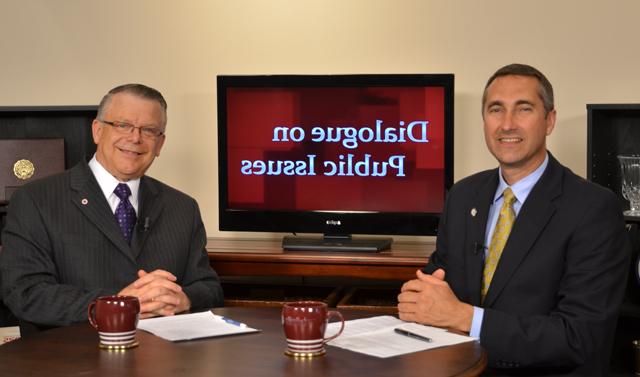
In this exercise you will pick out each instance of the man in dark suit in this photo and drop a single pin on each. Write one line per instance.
(72, 237)
(530, 258)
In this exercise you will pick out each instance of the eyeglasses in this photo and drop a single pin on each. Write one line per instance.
(126, 128)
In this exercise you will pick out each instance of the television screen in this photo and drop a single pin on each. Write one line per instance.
(335, 154)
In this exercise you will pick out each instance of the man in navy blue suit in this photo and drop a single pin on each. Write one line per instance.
(551, 305)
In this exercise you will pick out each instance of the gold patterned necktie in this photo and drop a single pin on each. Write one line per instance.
(498, 239)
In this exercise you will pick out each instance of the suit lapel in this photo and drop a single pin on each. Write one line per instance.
(532, 219)
(149, 211)
(89, 199)
(477, 225)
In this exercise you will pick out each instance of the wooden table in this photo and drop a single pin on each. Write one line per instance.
(231, 257)
(73, 351)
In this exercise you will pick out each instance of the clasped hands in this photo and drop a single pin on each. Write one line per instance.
(158, 293)
(429, 300)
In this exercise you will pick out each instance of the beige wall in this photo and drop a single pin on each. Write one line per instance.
(70, 52)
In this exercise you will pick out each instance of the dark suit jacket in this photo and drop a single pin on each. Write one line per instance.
(553, 302)
(63, 248)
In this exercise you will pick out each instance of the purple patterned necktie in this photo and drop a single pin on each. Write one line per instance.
(125, 214)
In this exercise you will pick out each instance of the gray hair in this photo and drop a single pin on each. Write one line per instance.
(138, 90)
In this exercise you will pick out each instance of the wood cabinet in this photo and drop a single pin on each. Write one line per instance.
(257, 267)
(614, 129)
(71, 124)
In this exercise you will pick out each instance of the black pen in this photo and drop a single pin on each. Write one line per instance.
(413, 335)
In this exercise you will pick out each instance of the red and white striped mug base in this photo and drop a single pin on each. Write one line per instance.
(118, 340)
(305, 348)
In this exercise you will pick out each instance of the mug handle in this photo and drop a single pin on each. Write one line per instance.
(334, 313)
(91, 314)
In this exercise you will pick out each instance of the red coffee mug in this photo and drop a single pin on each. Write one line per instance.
(116, 319)
(304, 324)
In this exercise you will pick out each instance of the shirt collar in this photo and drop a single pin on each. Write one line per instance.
(108, 182)
(523, 187)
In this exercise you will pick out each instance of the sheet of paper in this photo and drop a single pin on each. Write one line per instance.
(8, 334)
(193, 326)
(375, 336)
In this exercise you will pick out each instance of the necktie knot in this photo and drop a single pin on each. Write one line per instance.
(509, 198)
(122, 191)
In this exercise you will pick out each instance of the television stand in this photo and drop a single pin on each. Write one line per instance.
(336, 243)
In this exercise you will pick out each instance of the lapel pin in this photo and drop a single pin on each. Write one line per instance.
(84, 201)
(474, 212)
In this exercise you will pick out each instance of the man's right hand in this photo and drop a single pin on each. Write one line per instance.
(429, 300)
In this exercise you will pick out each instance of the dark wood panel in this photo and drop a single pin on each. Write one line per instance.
(71, 123)
(265, 257)
(234, 268)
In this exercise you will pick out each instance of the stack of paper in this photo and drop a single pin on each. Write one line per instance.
(193, 326)
(376, 336)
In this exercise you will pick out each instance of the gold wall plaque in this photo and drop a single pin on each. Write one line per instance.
(23, 169)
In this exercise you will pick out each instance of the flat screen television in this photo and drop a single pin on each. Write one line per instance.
(335, 155)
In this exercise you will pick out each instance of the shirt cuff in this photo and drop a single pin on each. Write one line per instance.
(476, 322)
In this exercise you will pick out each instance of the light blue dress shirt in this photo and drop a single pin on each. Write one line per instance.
(521, 191)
